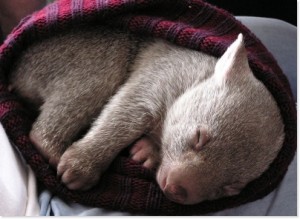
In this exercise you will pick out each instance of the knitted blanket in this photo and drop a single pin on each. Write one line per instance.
(195, 24)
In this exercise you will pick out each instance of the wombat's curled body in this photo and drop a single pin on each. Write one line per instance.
(211, 126)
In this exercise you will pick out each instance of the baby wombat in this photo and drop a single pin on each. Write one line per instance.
(207, 125)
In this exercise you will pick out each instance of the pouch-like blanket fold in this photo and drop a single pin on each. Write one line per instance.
(191, 23)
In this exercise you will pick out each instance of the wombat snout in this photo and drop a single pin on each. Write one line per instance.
(175, 193)
(173, 186)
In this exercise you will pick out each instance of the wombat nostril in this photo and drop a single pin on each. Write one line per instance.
(176, 193)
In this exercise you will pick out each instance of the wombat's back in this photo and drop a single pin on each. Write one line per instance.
(83, 54)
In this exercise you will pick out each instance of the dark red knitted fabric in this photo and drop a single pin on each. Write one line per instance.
(195, 24)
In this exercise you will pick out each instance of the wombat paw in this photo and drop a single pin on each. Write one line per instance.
(145, 152)
(76, 171)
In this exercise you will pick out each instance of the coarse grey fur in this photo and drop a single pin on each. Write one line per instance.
(211, 127)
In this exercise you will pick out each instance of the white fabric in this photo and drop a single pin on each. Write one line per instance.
(18, 196)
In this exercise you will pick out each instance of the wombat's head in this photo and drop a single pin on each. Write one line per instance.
(220, 134)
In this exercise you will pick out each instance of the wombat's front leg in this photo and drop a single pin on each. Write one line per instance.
(63, 115)
(125, 118)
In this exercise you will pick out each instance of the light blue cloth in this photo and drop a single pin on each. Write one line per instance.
(52, 205)
(281, 40)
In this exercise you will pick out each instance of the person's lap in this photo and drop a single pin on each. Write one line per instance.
(281, 40)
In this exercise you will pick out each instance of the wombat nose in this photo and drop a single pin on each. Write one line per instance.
(176, 193)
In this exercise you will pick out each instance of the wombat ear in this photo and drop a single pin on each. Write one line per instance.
(200, 138)
(233, 62)
(233, 188)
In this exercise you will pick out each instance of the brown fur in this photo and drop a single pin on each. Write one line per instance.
(210, 129)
